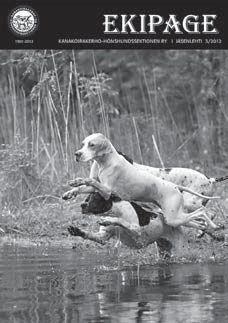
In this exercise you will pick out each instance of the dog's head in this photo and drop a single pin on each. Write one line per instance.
(96, 204)
(93, 146)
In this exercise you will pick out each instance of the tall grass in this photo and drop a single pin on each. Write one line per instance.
(40, 132)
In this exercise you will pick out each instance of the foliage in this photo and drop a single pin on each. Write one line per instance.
(50, 100)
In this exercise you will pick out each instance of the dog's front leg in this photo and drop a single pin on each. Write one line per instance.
(100, 237)
(109, 220)
(76, 182)
(87, 185)
(77, 190)
(102, 189)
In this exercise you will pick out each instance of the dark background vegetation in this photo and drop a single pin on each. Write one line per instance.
(51, 100)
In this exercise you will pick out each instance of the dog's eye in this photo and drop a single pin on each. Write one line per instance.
(91, 144)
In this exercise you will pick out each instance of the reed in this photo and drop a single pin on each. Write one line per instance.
(40, 131)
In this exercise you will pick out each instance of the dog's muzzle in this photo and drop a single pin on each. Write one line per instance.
(78, 155)
(84, 207)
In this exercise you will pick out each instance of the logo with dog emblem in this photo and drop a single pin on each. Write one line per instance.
(23, 21)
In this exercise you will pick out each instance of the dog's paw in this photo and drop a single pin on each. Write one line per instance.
(74, 231)
(77, 182)
(220, 227)
(107, 220)
(68, 195)
(202, 224)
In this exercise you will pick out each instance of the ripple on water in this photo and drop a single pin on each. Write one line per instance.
(54, 284)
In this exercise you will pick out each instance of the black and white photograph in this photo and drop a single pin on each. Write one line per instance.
(113, 162)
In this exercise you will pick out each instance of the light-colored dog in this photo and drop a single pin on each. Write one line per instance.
(118, 176)
(187, 177)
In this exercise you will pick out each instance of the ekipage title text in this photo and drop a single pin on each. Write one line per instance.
(154, 23)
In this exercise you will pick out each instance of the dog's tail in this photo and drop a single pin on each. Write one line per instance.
(185, 189)
(217, 179)
(220, 179)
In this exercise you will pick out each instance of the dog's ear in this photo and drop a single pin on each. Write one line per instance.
(103, 147)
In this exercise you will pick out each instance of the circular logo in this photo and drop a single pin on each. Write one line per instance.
(23, 21)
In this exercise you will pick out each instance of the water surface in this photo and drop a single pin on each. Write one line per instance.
(39, 284)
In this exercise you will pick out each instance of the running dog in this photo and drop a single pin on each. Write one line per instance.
(187, 177)
(119, 177)
(128, 222)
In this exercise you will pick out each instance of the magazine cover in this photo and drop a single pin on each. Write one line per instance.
(113, 161)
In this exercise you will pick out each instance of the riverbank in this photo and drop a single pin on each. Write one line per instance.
(45, 224)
